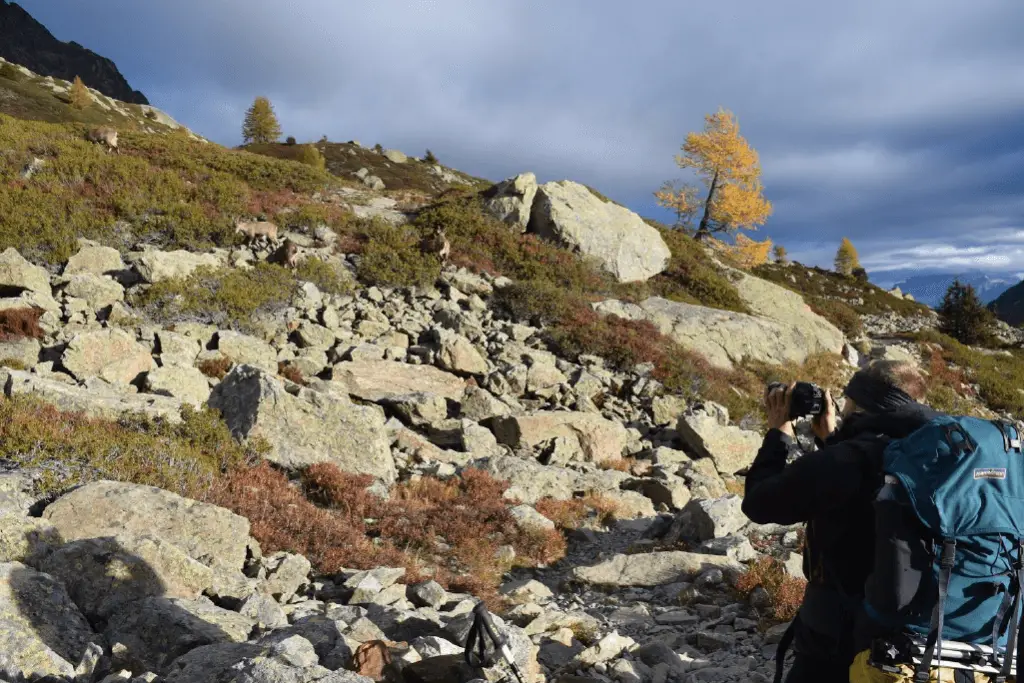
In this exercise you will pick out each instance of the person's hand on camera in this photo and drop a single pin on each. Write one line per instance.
(777, 405)
(824, 424)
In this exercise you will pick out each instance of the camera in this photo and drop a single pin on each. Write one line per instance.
(806, 399)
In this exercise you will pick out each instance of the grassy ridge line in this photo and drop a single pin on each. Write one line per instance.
(174, 192)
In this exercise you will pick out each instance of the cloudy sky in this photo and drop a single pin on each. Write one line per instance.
(898, 124)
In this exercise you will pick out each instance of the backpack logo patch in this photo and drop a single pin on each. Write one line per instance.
(990, 473)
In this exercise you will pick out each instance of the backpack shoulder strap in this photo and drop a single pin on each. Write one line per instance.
(933, 645)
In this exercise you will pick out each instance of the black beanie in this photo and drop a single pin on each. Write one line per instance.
(874, 394)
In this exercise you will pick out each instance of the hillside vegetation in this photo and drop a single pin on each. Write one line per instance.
(345, 159)
(27, 95)
(168, 190)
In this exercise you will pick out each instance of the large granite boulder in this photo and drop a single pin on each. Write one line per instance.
(305, 426)
(726, 337)
(94, 259)
(569, 214)
(104, 574)
(112, 355)
(212, 535)
(157, 266)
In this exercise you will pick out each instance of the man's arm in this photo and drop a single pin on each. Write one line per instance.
(811, 485)
(771, 486)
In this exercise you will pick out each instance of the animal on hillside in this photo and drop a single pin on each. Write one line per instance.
(104, 135)
(437, 244)
(286, 255)
(254, 230)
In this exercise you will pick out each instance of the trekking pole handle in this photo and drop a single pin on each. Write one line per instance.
(480, 612)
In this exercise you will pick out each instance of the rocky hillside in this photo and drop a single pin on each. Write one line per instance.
(25, 41)
(28, 95)
(379, 168)
(218, 467)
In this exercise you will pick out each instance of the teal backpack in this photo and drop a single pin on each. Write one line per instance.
(949, 533)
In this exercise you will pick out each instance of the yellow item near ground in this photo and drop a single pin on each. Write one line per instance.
(862, 672)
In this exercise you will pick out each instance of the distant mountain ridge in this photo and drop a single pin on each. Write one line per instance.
(929, 289)
(25, 41)
(1009, 306)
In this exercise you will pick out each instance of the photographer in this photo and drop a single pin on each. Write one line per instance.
(831, 489)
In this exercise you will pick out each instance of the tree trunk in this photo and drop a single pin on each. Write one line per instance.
(702, 231)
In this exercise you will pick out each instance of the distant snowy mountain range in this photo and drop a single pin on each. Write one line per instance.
(929, 288)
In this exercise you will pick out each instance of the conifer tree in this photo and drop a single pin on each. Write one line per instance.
(730, 170)
(846, 258)
(311, 156)
(260, 123)
(79, 96)
(781, 257)
(963, 316)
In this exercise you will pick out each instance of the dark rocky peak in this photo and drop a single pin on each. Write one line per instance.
(25, 41)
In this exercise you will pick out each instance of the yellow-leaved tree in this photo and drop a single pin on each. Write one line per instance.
(847, 259)
(730, 170)
(79, 95)
(746, 253)
(260, 123)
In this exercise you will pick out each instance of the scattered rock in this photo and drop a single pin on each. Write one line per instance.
(709, 435)
(511, 200)
(652, 569)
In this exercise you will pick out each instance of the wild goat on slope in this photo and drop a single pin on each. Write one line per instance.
(104, 135)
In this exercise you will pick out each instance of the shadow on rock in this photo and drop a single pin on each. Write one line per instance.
(71, 610)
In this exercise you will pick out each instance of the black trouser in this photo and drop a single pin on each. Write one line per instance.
(807, 669)
(822, 638)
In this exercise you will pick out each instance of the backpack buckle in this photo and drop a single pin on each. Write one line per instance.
(958, 447)
(948, 553)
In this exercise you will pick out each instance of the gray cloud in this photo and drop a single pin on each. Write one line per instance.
(896, 124)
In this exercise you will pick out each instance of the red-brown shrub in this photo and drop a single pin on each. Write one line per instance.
(18, 323)
(281, 518)
(569, 514)
(785, 592)
(450, 530)
(291, 373)
(215, 367)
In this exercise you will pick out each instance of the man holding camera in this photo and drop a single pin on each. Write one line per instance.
(831, 490)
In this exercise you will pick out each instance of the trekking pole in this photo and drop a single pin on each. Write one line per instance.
(483, 627)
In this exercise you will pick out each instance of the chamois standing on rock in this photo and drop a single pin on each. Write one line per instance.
(253, 230)
(286, 255)
(104, 135)
(437, 244)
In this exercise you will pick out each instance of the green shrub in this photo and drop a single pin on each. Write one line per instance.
(327, 277)
(311, 156)
(998, 376)
(839, 314)
(861, 296)
(72, 448)
(223, 297)
(392, 257)
(175, 192)
(11, 73)
(692, 278)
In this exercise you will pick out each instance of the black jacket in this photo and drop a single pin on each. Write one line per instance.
(832, 490)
